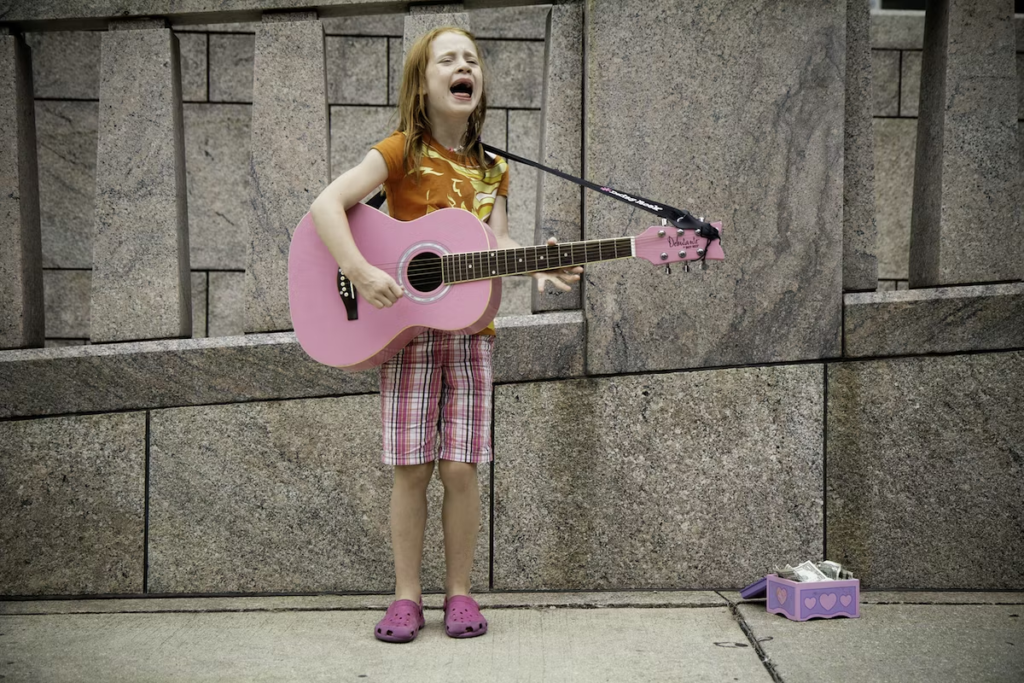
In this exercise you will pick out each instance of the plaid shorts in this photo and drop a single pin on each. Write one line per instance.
(438, 385)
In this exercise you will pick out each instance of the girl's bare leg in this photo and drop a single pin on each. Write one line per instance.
(460, 518)
(408, 522)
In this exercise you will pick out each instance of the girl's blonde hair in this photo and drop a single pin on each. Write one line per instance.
(412, 102)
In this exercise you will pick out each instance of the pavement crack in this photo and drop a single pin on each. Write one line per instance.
(755, 643)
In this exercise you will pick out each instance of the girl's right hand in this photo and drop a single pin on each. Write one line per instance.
(376, 286)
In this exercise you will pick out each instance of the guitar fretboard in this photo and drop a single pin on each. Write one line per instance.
(483, 265)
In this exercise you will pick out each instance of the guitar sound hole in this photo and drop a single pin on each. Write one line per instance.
(424, 272)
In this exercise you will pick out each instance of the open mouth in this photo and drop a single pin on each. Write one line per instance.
(462, 90)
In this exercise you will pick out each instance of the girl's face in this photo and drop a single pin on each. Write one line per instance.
(454, 80)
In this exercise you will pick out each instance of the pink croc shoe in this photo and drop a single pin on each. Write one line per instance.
(402, 622)
(462, 618)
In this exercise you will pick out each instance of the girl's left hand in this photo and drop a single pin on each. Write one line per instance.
(562, 278)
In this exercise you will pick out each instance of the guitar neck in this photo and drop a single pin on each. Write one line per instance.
(484, 265)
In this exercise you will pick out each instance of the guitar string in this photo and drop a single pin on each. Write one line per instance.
(465, 269)
(435, 265)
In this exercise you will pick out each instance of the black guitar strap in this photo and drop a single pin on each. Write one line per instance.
(376, 200)
(680, 218)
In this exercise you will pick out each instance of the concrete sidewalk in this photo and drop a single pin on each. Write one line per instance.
(586, 637)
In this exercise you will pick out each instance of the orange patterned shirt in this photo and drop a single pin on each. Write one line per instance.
(447, 180)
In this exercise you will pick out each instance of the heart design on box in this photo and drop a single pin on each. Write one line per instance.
(845, 599)
(809, 602)
(828, 601)
(781, 595)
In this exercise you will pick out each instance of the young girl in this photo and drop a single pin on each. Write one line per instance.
(440, 382)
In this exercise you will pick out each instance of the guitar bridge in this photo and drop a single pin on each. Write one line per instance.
(347, 292)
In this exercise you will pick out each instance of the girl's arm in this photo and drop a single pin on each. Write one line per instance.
(561, 277)
(328, 211)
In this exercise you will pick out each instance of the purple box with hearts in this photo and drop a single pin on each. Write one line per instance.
(820, 599)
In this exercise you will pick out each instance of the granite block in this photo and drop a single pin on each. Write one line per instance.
(72, 497)
(860, 233)
(193, 66)
(496, 128)
(231, 64)
(924, 478)
(396, 61)
(241, 27)
(67, 303)
(968, 181)
(354, 130)
(217, 162)
(21, 280)
(885, 84)
(515, 69)
(227, 304)
(910, 83)
(519, 23)
(200, 296)
(66, 152)
(623, 482)
(289, 14)
(515, 296)
(357, 70)
(941, 320)
(186, 372)
(56, 343)
(897, 29)
(425, 18)
(437, 8)
(135, 23)
(167, 373)
(523, 140)
(392, 25)
(140, 279)
(744, 126)
(1020, 86)
(295, 500)
(94, 15)
(895, 144)
(543, 346)
(289, 162)
(561, 131)
(886, 286)
(66, 64)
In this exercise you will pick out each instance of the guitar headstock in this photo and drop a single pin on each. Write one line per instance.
(666, 244)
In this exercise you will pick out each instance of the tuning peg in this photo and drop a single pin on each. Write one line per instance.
(686, 267)
(668, 269)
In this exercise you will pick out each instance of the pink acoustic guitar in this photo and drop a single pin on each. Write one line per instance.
(450, 270)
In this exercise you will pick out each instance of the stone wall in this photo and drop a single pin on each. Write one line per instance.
(364, 63)
(683, 431)
(897, 41)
